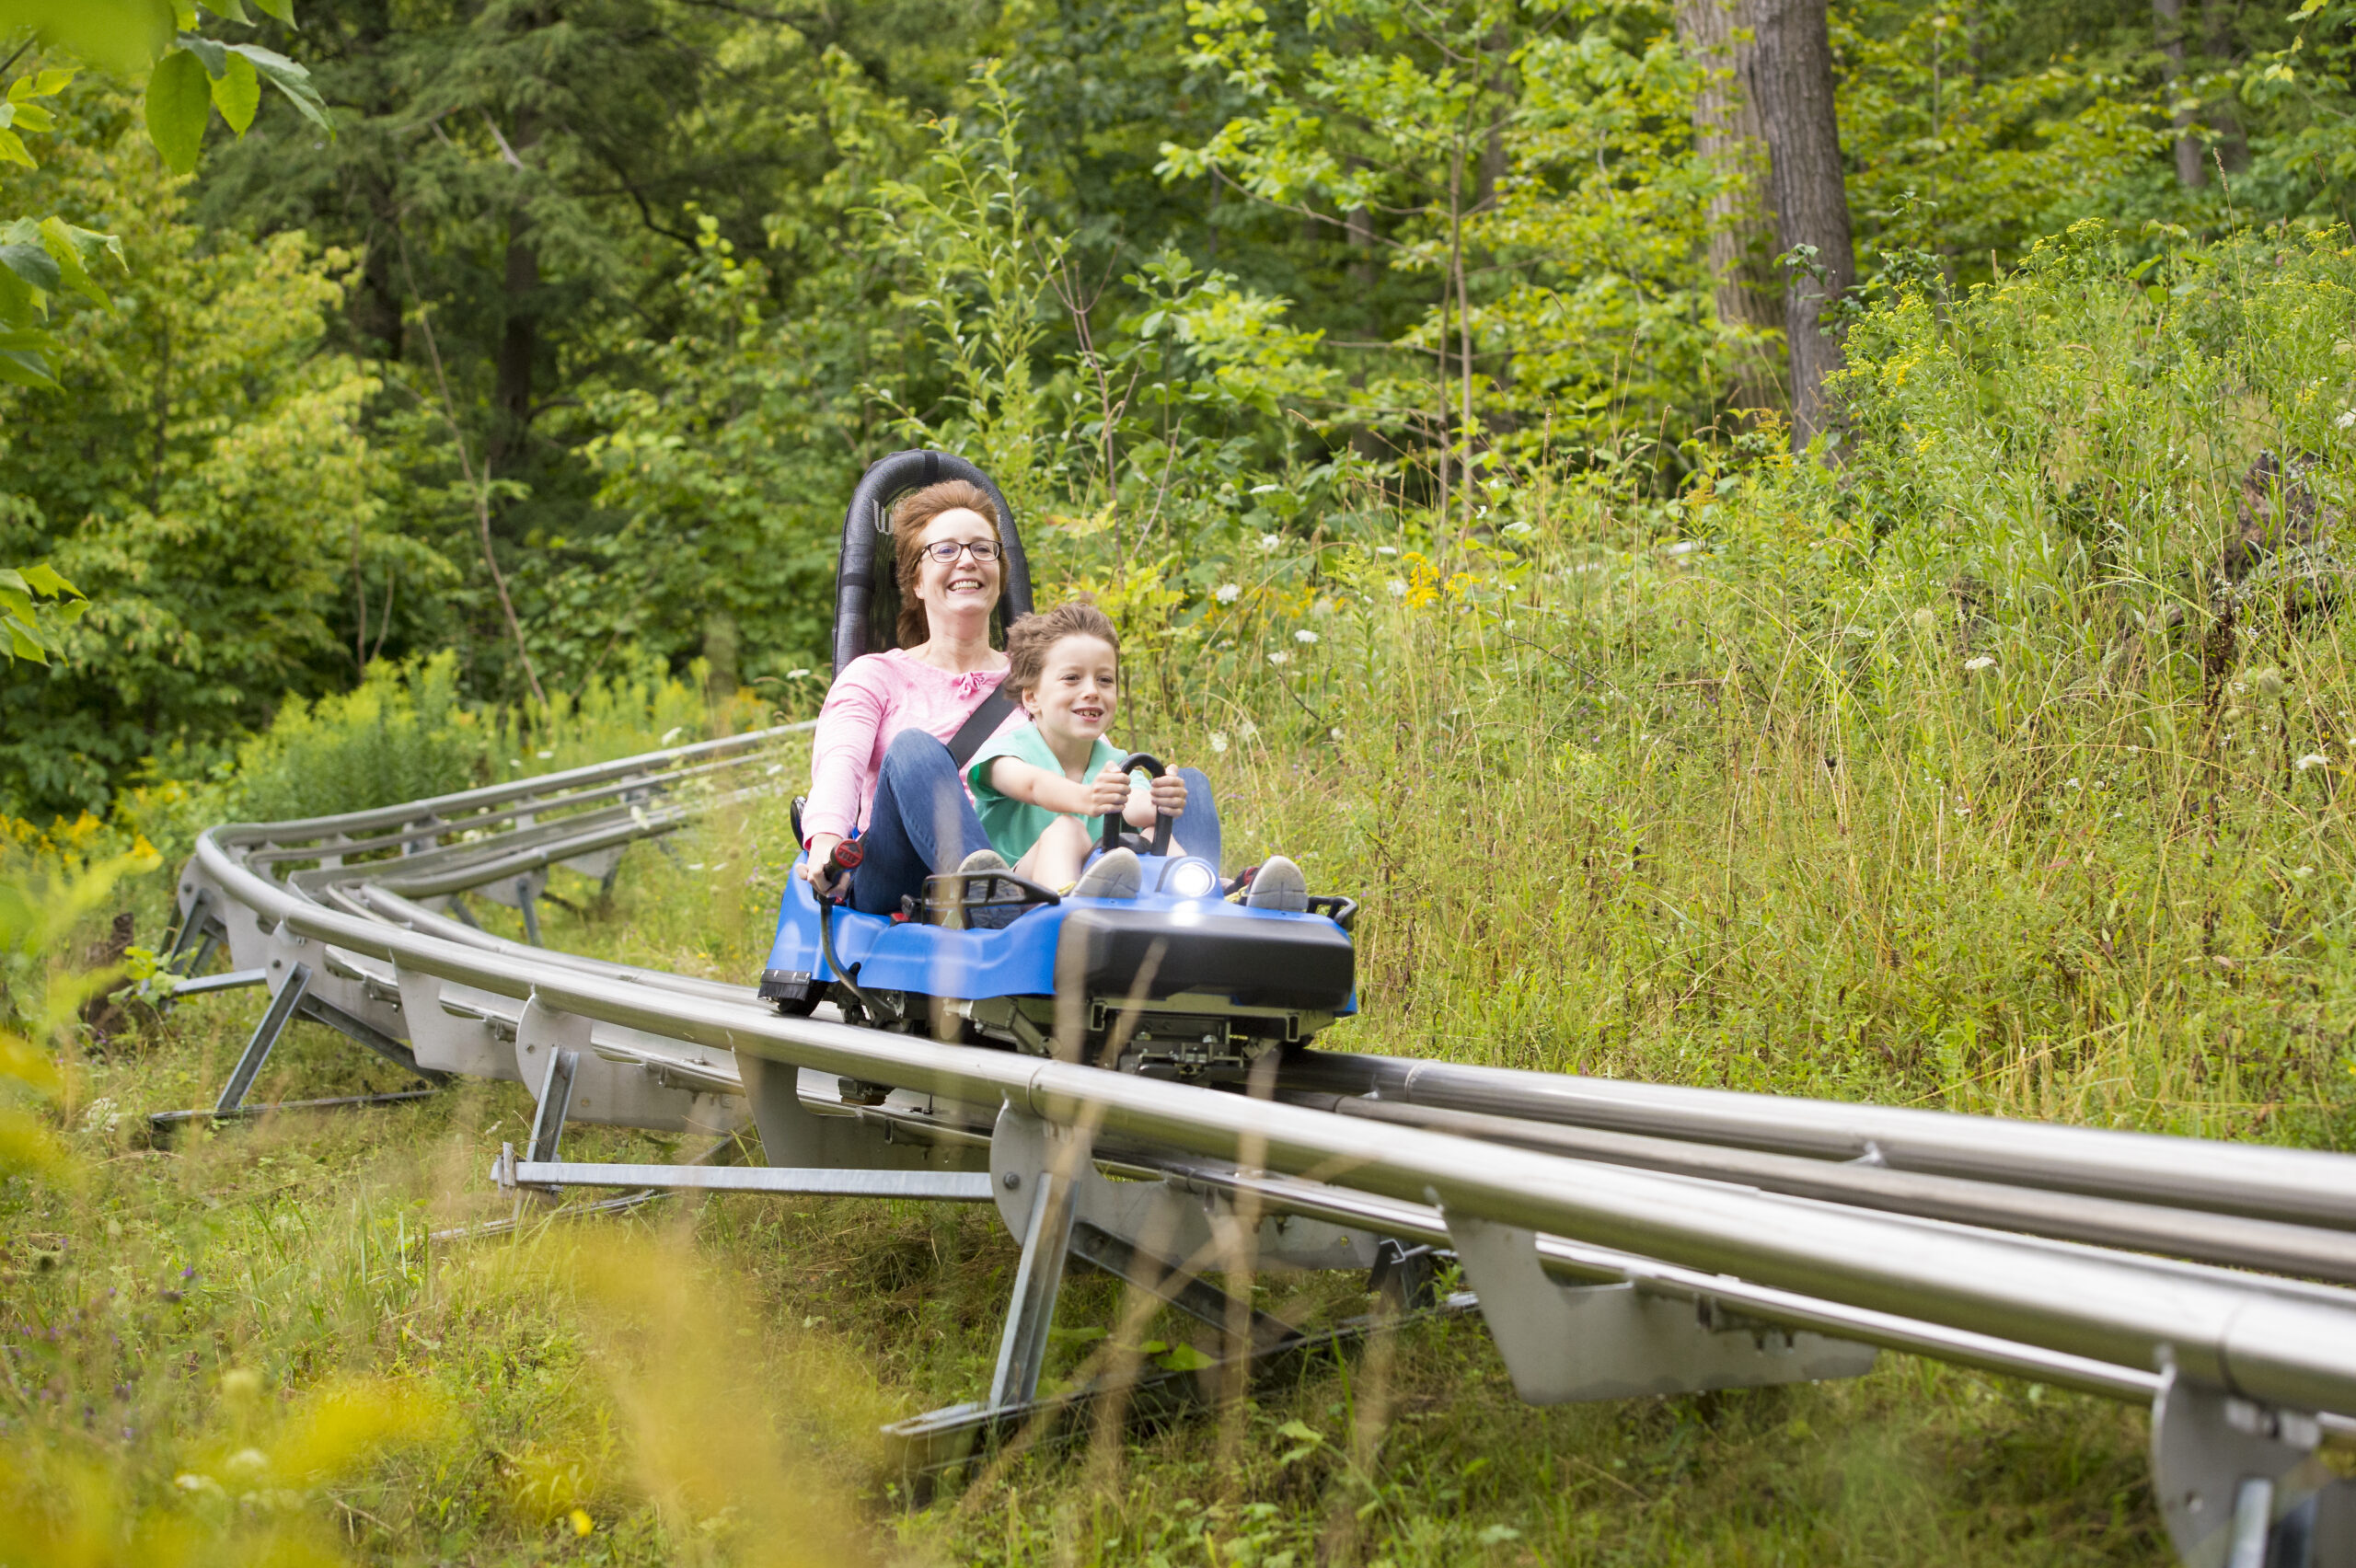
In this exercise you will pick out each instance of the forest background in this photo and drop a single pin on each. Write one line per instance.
(560, 352)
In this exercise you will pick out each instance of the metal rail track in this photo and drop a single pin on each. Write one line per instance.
(1618, 1238)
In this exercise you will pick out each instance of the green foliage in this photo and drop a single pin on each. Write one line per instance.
(35, 603)
(403, 734)
(206, 480)
(979, 260)
(731, 481)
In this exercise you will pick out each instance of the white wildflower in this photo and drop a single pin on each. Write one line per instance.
(2302, 871)
(1248, 730)
(544, 755)
(1386, 549)
(797, 675)
(673, 734)
(1270, 543)
(2313, 759)
(1398, 589)
(2347, 420)
(1279, 657)
(1304, 637)
(2069, 783)
(1336, 731)
(1981, 663)
(1265, 490)
(1226, 593)
(1219, 742)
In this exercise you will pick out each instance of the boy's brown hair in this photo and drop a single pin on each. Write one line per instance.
(1028, 639)
(911, 515)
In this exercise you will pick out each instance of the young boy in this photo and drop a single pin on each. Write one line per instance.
(1043, 789)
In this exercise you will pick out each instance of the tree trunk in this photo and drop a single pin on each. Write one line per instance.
(519, 339)
(2168, 23)
(2217, 44)
(518, 345)
(1729, 132)
(1791, 81)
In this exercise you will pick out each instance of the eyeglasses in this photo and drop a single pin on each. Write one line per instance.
(946, 550)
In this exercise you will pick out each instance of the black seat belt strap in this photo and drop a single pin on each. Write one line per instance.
(979, 726)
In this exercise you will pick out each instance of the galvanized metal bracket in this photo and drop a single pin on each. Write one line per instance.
(1567, 1344)
(2242, 1486)
(295, 999)
(1038, 1277)
(448, 1042)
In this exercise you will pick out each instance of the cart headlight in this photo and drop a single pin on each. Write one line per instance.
(1190, 878)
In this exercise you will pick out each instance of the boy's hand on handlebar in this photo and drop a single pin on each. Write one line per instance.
(1108, 791)
(1170, 794)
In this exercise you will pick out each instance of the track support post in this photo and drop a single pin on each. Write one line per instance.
(2241, 1485)
(1038, 1278)
(274, 1020)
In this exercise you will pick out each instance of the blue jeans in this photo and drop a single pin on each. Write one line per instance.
(921, 826)
(922, 823)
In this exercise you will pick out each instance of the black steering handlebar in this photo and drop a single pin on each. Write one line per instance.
(1114, 823)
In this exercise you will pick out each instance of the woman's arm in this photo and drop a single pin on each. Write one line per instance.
(842, 753)
(842, 756)
(1035, 786)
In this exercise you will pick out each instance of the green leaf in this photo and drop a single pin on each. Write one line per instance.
(30, 116)
(21, 304)
(76, 250)
(210, 52)
(12, 150)
(123, 35)
(237, 92)
(281, 10)
(291, 79)
(46, 579)
(21, 644)
(230, 9)
(49, 84)
(179, 101)
(22, 253)
(21, 369)
(1185, 1358)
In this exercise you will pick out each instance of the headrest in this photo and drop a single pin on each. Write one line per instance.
(865, 593)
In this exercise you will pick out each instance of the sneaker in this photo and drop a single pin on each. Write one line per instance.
(979, 863)
(1116, 874)
(1279, 886)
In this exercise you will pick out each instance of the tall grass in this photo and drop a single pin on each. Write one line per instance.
(1940, 777)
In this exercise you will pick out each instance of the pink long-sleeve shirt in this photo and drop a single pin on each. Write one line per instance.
(879, 696)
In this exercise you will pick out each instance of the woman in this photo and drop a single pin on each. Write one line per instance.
(880, 754)
(879, 763)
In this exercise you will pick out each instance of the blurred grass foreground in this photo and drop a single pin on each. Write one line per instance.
(1996, 765)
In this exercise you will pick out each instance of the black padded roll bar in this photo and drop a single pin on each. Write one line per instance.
(866, 565)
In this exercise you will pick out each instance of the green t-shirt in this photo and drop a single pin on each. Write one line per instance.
(1015, 825)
